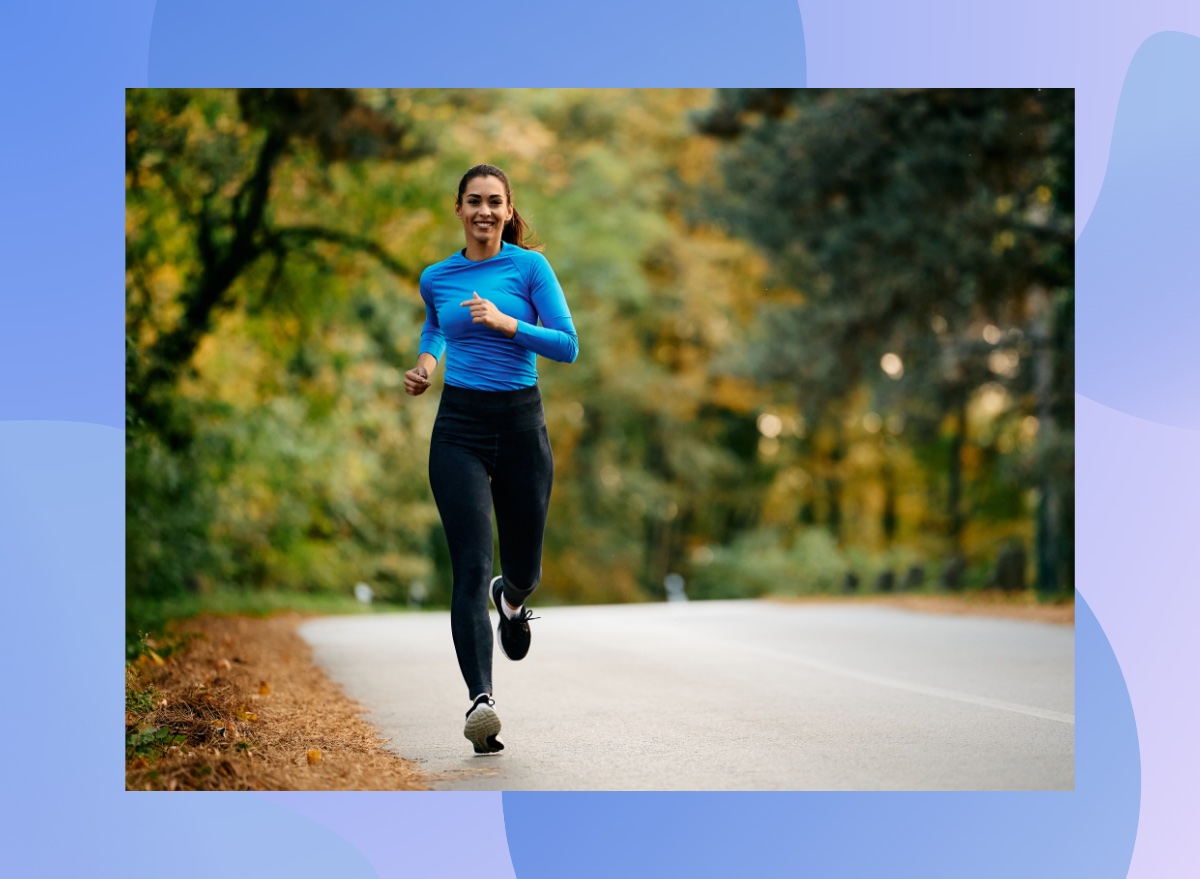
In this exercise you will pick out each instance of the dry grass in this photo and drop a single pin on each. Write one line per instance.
(256, 714)
(991, 603)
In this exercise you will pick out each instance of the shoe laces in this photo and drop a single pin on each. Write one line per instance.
(523, 618)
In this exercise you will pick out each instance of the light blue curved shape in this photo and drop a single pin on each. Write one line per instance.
(1138, 260)
(67, 813)
(1089, 832)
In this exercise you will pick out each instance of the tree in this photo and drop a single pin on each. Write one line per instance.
(229, 196)
(199, 179)
(919, 224)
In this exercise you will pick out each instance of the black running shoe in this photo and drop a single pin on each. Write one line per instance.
(514, 632)
(483, 723)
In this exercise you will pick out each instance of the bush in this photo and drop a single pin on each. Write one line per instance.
(761, 563)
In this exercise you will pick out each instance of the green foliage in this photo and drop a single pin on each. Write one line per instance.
(811, 563)
(139, 702)
(907, 219)
(170, 506)
(150, 741)
(144, 740)
(760, 563)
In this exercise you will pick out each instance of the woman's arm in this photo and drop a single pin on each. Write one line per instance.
(433, 339)
(433, 343)
(556, 337)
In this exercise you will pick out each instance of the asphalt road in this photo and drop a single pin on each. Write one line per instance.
(742, 695)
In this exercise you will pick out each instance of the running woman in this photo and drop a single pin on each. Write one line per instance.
(489, 447)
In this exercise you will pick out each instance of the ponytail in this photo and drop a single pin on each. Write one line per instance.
(515, 231)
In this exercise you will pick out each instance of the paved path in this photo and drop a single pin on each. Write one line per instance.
(740, 695)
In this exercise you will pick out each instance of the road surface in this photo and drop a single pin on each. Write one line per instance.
(728, 695)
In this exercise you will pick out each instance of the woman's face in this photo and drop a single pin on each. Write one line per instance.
(484, 209)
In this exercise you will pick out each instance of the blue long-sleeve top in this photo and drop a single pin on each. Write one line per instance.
(521, 284)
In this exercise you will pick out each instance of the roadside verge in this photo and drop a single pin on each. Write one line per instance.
(236, 703)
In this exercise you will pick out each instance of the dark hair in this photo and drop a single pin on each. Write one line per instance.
(516, 229)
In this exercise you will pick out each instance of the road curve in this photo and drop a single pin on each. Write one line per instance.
(727, 695)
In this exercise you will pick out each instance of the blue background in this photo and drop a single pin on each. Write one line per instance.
(65, 66)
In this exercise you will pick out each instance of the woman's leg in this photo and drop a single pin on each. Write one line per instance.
(521, 492)
(459, 480)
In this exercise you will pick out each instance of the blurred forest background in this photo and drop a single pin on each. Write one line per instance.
(826, 338)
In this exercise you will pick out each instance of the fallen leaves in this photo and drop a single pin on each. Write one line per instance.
(302, 734)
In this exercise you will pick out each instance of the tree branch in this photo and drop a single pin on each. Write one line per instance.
(220, 270)
(306, 234)
(276, 277)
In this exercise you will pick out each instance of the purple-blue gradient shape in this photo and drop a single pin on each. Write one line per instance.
(1138, 260)
(1138, 501)
(426, 833)
(61, 355)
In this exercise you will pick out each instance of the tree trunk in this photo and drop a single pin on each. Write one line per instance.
(954, 502)
(833, 488)
(1049, 515)
(889, 503)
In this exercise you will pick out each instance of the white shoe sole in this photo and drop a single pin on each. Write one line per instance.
(492, 592)
(482, 725)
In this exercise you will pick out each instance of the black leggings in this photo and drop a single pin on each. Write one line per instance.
(489, 449)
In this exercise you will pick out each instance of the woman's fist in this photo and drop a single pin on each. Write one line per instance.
(416, 381)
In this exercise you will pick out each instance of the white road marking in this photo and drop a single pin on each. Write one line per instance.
(937, 692)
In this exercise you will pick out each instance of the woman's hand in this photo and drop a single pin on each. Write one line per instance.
(484, 312)
(416, 381)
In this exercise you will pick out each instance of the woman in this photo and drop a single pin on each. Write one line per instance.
(489, 447)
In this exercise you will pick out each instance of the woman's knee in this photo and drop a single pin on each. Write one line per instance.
(523, 582)
(470, 577)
